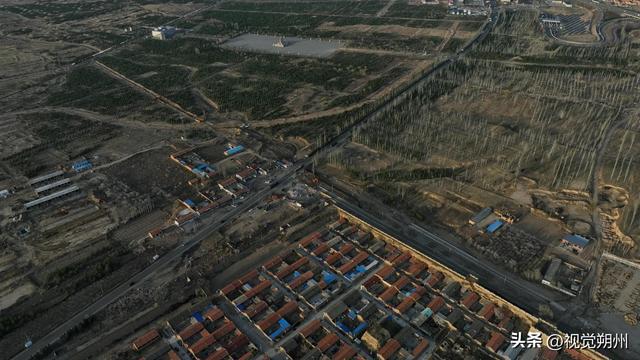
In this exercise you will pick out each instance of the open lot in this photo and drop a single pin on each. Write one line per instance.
(290, 45)
(228, 84)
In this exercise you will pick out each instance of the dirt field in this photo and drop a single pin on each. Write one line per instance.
(620, 287)
(618, 297)
(441, 30)
(152, 173)
(291, 45)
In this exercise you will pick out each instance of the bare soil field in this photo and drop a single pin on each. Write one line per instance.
(440, 31)
(152, 173)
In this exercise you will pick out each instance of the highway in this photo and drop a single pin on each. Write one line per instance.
(627, 15)
(252, 200)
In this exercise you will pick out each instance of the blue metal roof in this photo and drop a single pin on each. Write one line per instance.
(482, 215)
(198, 316)
(494, 226)
(234, 150)
(284, 325)
(328, 277)
(359, 329)
(81, 165)
(343, 327)
(577, 240)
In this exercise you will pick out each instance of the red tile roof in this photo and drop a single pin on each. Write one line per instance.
(422, 346)
(224, 330)
(436, 303)
(389, 348)
(345, 248)
(203, 344)
(256, 309)
(402, 282)
(173, 355)
(264, 284)
(435, 278)
(326, 342)
(362, 256)
(470, 298)
(291, 268)
(214, 314)
(420, 291)
(416, 267)
(219, 355)
(295, 283)
(239, 282)
(146, 339)
(322, 284)
(190, 330)
(392, 252)
(246, 173)
(495, 341)
(273, 262)
(402, 258)
(237, 342)
(405, 305)
(287, 308)
(249, 276)
(185, 218)
(230, 287)
(487, 311)
(311, 328)
(371, 281)
(227, 182)
(388, 294)
(504, 322)
(333, 258)
(268, 321)
(246, 356)
(385, 271)
(321, 249)
(307, 240)
(548, 354)
(408, 302)
(346, 352)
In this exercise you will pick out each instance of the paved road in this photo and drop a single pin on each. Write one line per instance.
(251, 201)
(160, 264)
(523, 293)
(65, 68)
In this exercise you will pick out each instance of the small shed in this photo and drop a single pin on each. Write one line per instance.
(480, 216)
(494, 226)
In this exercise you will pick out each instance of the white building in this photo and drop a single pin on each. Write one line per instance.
(163, 32)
